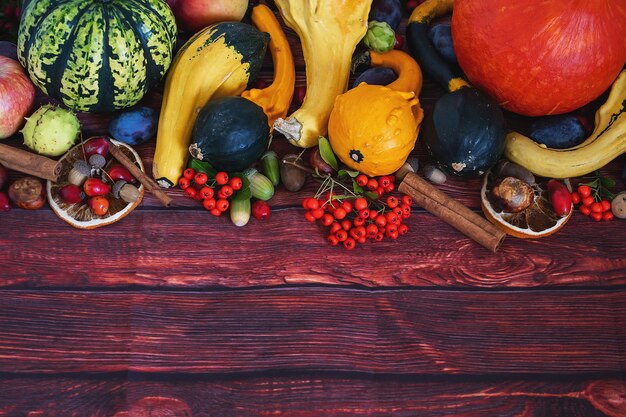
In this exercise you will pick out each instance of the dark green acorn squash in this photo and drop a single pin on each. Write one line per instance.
(96, 55)
(464, 133)
(230, 133)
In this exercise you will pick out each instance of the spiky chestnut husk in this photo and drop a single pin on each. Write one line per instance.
(51, 130)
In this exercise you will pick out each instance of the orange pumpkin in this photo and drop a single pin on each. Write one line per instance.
(539, 57)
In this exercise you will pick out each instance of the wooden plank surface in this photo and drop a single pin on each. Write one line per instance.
(192, 249)
(306, 395)
(309, 329)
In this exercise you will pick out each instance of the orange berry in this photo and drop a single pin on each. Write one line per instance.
(360, 204)
(340, 213)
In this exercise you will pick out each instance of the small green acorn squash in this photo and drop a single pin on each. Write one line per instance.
(230, 133)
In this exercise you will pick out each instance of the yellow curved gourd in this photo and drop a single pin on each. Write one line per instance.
(607, 142)
(216, 62)
(276, 98)
(373, 128)
(329, 31)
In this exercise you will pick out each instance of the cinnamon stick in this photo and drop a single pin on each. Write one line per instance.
(452, 212)
(29, 163)
(141, 176)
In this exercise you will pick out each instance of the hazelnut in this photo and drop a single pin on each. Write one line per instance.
(512, 195)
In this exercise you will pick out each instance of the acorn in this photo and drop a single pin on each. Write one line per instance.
(434, 174)
(97, 161)
(127, 192)
(79, 173)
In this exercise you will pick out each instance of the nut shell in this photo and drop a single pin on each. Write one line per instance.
(512, 194)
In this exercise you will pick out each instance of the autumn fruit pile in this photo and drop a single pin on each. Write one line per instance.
(353, 217)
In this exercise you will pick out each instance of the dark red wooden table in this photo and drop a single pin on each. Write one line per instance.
(172, 312)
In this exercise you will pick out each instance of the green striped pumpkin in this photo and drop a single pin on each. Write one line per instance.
(96, 55)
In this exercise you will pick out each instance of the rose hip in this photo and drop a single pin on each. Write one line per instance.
(118, 172)
(94, 187)
(71, 194)
(560, 198)
(96, 145)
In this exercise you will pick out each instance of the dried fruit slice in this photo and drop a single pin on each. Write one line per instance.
(80, 215)
(538, 220)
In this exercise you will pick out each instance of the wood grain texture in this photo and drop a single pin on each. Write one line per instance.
(192, 249)
(307, 329)
(307, 395)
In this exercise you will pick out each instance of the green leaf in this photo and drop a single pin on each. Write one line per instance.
(326, 152)
(371, 195)
(358, 190)
(342, 173)
(201, 166)
(607, 182)
(353, 174)
(244, 193)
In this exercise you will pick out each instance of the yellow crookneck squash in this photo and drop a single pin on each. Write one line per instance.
(329, 31)
(274, 99)
(218, 61)
(373, 128)
(607, 142)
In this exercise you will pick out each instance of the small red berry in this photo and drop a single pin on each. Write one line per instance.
(341, 235)
(384, 181)
(398, 211)
(360, 204)
(358, 221)
(198, 196)
(585, 210)
(333, 240)
(597, 216)
(596, 208)
(364, 214)
(380, 221)
(340, 213)
(392, 235)
(371, 230)
(236, 183)
(362, 180)
(200, 178)
(309, 217)
(191, 192)
(392, 202)
(362, 239)
(226, 191)
(261, 210)
(317, 213)
(184, 183)
(189, 173)
(588, 201)
(606, 205)
(206, 192)
(407, 200)
(373, 214)
(334, 227)
(346, 224)
(221, 178)
(584, 191)
(216, 212)
(391, 228)
(390, 188)
(209, 203)
(222, 204)
(380, 191)
(372, 184)
(379, 237)
(392, 218)
(575, 197)
(403, 229)
(607, 216)
(349, 243)
(327, 219)
(406, 211)
(347, 206)
(312, 204)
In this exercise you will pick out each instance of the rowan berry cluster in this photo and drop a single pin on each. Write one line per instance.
(355, 217)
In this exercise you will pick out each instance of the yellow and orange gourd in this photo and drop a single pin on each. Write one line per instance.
(373, 128)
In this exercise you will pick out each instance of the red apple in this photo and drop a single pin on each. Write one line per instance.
(193, 15)
(17, 94)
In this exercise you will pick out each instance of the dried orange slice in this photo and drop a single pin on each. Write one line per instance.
(537, 220)
(79, 214)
